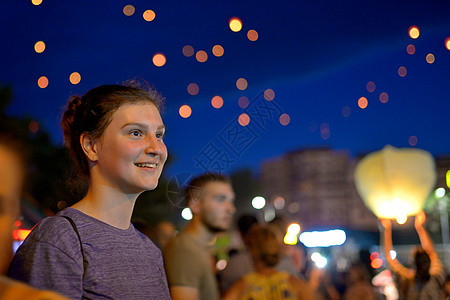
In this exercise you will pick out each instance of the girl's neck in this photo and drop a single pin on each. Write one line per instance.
(108, 205)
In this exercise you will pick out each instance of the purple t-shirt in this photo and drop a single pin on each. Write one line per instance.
(121, 264)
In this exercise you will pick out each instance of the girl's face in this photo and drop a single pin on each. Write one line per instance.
(131, 153)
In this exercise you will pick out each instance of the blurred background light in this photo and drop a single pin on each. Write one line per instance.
(384, 97)
(185, 111)
(279, 202)
(244, 119)
(186, 213)
(188, 51)
(241, 84)
(43, 82)
(149, 15)
(430, 58)
(370, 86)
(362, 102)
(235, 24)
(75, 78)
(285, 119)
(217, 102)
(252, 35)
(243, 102)
(217, 50)
(328, 238)
(269, 94)
(128, 10)
(402, 71)
(258, 202)
(410, 49)
(201, 56)
(159, 59)
(414, 32)
(193, 89)
(39, 47)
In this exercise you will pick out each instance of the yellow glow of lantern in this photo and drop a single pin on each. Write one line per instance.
(394, 183)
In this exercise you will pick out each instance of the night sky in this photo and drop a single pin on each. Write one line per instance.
(318, 57)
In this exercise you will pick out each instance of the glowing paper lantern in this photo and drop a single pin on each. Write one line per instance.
(394, 183)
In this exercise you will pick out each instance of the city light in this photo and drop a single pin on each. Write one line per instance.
(43, 82)
(323, 238)
(217, 102)
(258, 202)
(285, 119)
(440, 192)
(75, 78)
(393, 254)
(186, 214)
(252, 35)
(294, 229)
(269, 94)
(370, 86)
(217, 50)
(447, 178)
(193, 89)
(362, 102)
(319, 260)
(290, 239)
(279, 202)
(243, 102)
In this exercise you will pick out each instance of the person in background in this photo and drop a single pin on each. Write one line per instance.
(187, 257)
(359, 286)
(426, 279)
(91, 250)
(266, 282)
(12, 170)
(239, 263)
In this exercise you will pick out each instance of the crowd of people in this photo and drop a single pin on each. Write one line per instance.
(93, 250)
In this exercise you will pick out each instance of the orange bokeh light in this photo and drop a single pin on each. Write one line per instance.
(193, 89)
(159, 59)
(370, 86)
(217, 102)
(252, 35)
(384, 97)
(128, 10)
(362, 102)
(235, 24)
(149, 15)
(430, 58)
(39, 47)
(243, 102)
(185, 111)
(376, 263)
(36, 2)
(269, 94)
(75, 78)
(201, 56)
(414, 32)
(217, 50)
(402, 71)
(285, 119)
(241, 84)
(410, 49)
(244, 119)
(447, 43)
(43, 82)
(188, 51)
(412, 141)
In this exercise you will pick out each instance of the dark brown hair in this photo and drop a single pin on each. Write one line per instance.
(93, 112)
(194, 188)
(264, 246)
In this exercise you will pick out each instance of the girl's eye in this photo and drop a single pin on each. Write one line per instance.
(160, 135)
(136, 133)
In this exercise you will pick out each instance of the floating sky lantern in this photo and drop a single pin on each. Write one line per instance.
(394, 183)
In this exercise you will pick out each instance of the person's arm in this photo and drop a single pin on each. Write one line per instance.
(395, 265)
(427, 244)
(183, 293)
(235, 291)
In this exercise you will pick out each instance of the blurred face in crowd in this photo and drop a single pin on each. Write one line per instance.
(11, 179)
(215, 206)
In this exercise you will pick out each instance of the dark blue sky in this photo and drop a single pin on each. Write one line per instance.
(317, 56)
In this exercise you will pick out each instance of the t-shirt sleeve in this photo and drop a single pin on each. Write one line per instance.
(182, 268)
(50, 258)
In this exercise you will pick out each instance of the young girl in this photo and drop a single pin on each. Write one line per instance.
(91, 250)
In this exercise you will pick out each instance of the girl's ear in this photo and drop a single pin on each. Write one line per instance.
(89, 146)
